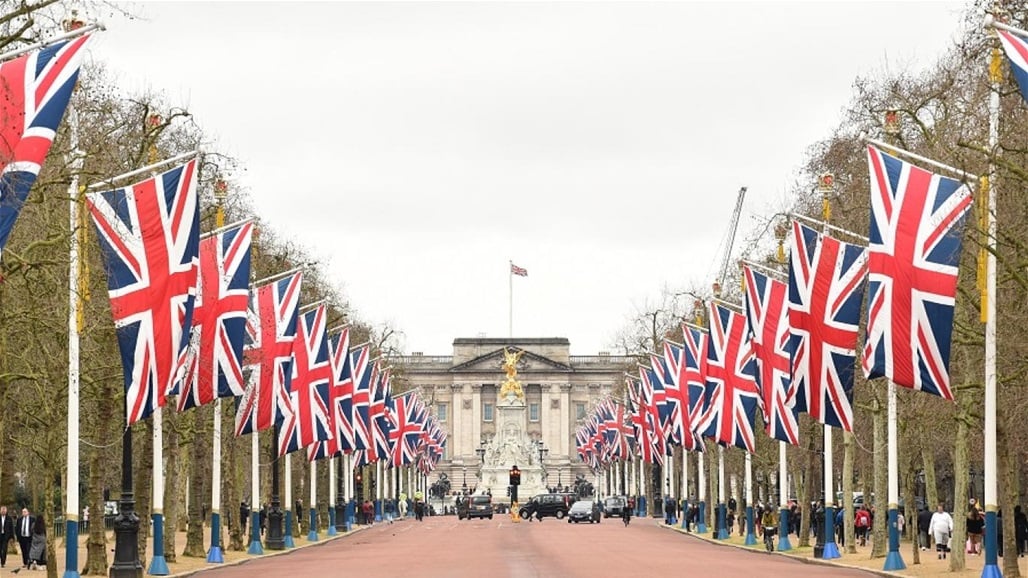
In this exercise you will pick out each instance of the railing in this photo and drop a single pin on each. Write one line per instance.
(422, 359)
(576, 360)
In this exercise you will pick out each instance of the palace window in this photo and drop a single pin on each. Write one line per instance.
(579, 410)
(441, 411)
(487, 411)
(533, 412)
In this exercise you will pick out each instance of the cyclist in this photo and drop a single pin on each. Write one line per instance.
(769, 525)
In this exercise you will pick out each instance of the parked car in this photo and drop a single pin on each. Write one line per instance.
(584, 511)
(614, 506)
(480, 507)
(543, 505)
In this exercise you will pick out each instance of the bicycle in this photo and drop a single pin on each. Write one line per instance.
(769, 538)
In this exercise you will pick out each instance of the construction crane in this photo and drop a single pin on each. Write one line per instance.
(733, 226)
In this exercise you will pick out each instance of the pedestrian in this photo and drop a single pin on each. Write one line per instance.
(263, 518)
(1020, 530)
(419, 508)
(729, 521)
(85, 518)
(941, 528)
(244, 515)
(901, 522)
(6, 534)
(669, 510)
(24, 531)
(401, 506)
(861, 525)
(924, 519)
(975, 525)
(37, 550)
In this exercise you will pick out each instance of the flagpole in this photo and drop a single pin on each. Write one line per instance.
(685, 485)
(991, 568)
(783, 500)
(510, 303)
(331, 531)
(158, 564)
(701, 524)
(312, 534)
(722, 532)
(154, 165)
(255, 501)
(751, 539)
(826, 186)
(290, 515)
(68, 35)
(71, 515)
(215, 555)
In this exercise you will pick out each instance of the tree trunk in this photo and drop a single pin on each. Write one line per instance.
(931, 488)
(879, 543)
(96, 543)
(847, 493)
(142, 450)
(910, 511)
(198, 461)
(49, 497)
(960, 465)
(172, 466)
(1008, 490)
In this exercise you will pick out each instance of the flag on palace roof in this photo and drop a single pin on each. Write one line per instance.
(519, 271)
(268, 353)
(1016, 48)
(773, 346)
(214, 360)
(307, 420)
(149, 235)
(826, 287)
(35, 89)
(731, 396)
(917, 221)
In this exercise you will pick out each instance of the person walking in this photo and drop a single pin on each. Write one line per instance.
(244, 515)
(941, 528)
(975, 524)
(263, 518)
(1020, 530)
(6, 534)
(37, 550)
(861, 523)
(24, 533)
(924, 519)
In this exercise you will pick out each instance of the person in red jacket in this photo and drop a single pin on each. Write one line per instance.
(861, 524)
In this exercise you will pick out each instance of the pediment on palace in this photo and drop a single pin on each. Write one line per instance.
(492, 362)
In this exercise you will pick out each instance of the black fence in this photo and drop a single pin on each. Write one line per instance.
(58, 526)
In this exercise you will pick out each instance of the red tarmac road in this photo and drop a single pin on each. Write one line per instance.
(445, 547)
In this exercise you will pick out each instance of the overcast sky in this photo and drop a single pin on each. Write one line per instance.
(415, 148)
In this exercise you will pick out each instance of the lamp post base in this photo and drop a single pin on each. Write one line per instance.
(126, 543)
(275, 539)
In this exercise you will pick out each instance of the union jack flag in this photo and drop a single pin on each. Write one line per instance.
(268, 354)
(340, 398)
(624, 437)
(34, 93)
(379, 415)
(149, 236)
(214, 360)
(406, 429)
(731, 396)
(1016, 48)
(913, 257)
(307, 420)
(361, 366)
(772, 342)
(826, 286)
(677, 392)
(695, 377)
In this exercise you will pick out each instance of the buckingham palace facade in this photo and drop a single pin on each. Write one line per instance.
(560, 390)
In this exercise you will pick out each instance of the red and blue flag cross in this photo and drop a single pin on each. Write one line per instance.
(274, 349)
(156, 269)
(361, 398)
(216, 302)
(729, 370)
(901, 263)
(310, 358)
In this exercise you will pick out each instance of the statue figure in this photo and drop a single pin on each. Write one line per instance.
(511, 387)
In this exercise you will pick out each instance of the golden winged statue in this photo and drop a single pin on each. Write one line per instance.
(510, 364)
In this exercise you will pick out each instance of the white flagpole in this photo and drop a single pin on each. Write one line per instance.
(214, 555)
(291, 516)
(71, 515)
(826, 186)
(701, 524)
(158, 564)
(331, 497)
(255, 498)
(751, 539)
(312, 534)
(783, 500)
(722, 532)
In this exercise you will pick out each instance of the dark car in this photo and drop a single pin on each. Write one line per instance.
(543, 505)
(614, 506)
(584, 511)
(480, 507)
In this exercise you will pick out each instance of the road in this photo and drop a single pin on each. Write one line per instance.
(445, 547)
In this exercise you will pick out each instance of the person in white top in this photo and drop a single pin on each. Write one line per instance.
(941, 527)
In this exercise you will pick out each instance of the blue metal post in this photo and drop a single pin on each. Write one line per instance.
(287, 538)
(312, 536)
(158, 565)
(378, 510)
(255, 534)
(71, 553)
(722, 521)
(893, 561)
(783, 530)
(701, 524)
(331, 521)
(751, 538)
(831, 551)
(991, 568)
(214, 555)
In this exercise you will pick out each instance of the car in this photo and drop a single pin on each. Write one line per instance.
(543, 505)
(480, 507)
(584, 511)
(614, 506)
